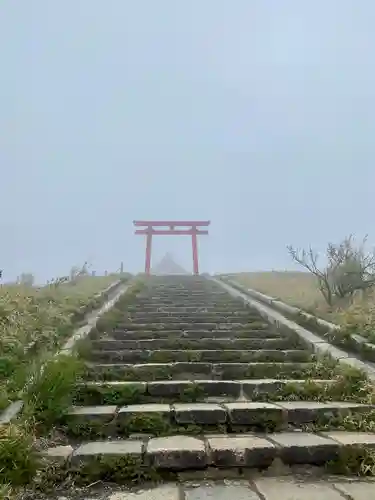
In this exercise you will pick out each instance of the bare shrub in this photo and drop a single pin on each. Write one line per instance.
(349, 268)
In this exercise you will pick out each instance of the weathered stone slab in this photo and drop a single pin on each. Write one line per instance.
(96, 449)
(164, 492)
(269, 386)
(177, 453)
(352, 438)
(168, 387)
(240, 451)
(11, 412)
(59, 453)
(238, 491)
(357, 490)
(199, 413)
(289, 489)
(115, 344)
(160, 410)
(324, 348)
(230, 388)
(263, 386)
(304, 448)
(120, 356)
(248, 413)
(300, 412)
(100, 412)
(117, 384)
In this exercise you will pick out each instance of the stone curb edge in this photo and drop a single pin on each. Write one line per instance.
(357, 343)
(316, 343)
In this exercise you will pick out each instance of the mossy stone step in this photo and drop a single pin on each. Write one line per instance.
(193, 319)
(211, 356)
(251, 343)
(179, 452)
(178, 309)
(173, 343)
(132, 326)
(126, 392)
(163, 419)
(197, 370)
(197, 313)
(190, 305)
(186, 296)
(158, 334)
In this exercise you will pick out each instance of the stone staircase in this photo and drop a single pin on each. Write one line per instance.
(192, 378)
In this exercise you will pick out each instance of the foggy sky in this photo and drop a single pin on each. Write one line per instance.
(255, 114)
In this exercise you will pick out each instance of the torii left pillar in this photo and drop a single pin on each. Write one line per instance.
(168, 228)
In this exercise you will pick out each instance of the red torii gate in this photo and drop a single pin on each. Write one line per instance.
(168, 228)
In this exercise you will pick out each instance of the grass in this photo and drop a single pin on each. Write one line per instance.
(49, 393)
(35, 321)
(300, 289)
(292, 287)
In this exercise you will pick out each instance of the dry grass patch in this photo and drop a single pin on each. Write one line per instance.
(295, 288)
(36, 320)
(300, 289)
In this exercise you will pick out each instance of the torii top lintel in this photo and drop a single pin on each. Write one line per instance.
(162, 223)
(169, 227)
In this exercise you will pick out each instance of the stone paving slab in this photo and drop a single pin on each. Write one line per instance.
(352, 438)
(290, 488)
(237, 491)
(287, 489)
(161, 493)
(357, 490)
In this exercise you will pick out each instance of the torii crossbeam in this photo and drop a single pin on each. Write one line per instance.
(168, 228)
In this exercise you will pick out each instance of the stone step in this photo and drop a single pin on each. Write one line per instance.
(253, 343)
(192, 319)
(181, 343)
(224, 304)
(179, 452)
(229, 417)
(185, 295)
(212, 313)
(116, 355)
(176, 308)
(200, 374)
(125, 392)
(171, 335)
(131, 326)
(212, 371)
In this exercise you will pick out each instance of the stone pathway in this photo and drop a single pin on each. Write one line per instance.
(186, 377)
(259, 489)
